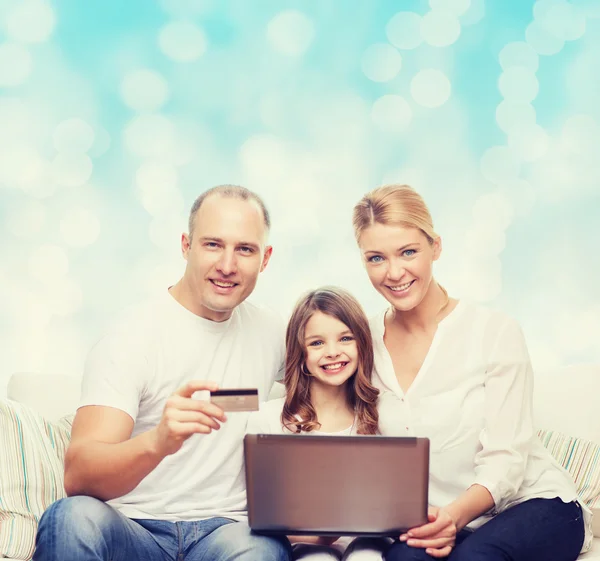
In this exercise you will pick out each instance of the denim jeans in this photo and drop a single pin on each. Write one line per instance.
(536, 530)
(86, 529)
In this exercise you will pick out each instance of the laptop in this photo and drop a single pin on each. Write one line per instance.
(336, 485)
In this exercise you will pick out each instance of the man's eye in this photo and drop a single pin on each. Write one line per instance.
(246, 249)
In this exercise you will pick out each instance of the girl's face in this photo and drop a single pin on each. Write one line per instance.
(399, 262)
(331, 351)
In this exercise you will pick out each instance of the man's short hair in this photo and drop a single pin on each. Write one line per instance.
(232, 192)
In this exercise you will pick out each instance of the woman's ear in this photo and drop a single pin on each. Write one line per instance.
(437, 248)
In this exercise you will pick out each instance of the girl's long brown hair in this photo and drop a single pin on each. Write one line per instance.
(298, 413)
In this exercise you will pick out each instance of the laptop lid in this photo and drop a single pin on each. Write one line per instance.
(336, 485)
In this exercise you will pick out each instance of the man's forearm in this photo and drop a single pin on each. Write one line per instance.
(106, 470)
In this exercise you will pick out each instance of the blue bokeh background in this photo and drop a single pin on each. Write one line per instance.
(115, 115)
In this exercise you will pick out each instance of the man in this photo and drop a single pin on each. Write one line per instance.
(169, 465)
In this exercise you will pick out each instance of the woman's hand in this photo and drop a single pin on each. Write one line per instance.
(437, 537)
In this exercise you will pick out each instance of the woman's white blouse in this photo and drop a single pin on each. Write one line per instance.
(472, 398)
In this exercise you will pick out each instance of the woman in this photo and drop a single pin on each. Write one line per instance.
(328, 367)
(461, 375)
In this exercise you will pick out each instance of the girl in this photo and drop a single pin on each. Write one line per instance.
(328, 365)
(461, 374)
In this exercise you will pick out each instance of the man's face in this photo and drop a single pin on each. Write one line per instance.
(226, 253)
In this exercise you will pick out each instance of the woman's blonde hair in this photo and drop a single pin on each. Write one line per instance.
(298, 414)
(393, 205)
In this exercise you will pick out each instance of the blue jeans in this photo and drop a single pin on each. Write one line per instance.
(86, 529)
(536, 530)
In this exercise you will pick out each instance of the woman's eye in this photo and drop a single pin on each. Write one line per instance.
(409, 252)
(375, 259)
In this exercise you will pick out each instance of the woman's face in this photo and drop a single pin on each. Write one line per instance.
(399, 262)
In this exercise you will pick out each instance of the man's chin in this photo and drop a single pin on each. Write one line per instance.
(223, 304)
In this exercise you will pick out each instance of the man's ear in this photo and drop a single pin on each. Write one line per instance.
(186, 243)
(437, 248)
(266, 257)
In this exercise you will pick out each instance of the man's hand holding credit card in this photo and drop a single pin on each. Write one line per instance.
(235, 399)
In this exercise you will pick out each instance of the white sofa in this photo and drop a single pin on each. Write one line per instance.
(566, 400)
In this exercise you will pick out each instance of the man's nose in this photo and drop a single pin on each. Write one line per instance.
(227, 264)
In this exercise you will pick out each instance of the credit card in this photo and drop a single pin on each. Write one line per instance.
(240, 399)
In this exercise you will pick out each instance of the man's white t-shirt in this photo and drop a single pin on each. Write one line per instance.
(154, 350)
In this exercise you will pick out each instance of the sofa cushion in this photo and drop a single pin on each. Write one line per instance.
(31, 474)
(52, 395)
(566, 400)
(581, 458)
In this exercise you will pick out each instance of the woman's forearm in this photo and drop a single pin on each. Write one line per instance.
(474, 502)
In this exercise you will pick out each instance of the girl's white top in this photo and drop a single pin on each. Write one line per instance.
(472, 398)
(268, 421)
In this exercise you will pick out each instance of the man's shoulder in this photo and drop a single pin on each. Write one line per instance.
(255, 314)
(136, 322)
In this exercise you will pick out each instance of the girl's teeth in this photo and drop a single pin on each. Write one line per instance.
(333, 366)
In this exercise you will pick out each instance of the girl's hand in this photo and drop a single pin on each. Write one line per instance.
(437, 537)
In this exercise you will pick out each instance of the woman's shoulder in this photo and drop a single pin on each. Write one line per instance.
(377, 323)
(497, 332)
(476, 314)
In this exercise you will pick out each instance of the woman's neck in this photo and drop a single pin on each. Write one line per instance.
(434, 307)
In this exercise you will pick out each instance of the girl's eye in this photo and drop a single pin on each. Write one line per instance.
(315, 344)
(347, 338)
(375, 259)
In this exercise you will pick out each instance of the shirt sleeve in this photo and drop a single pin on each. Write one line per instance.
(508, 429)
(114, 372)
